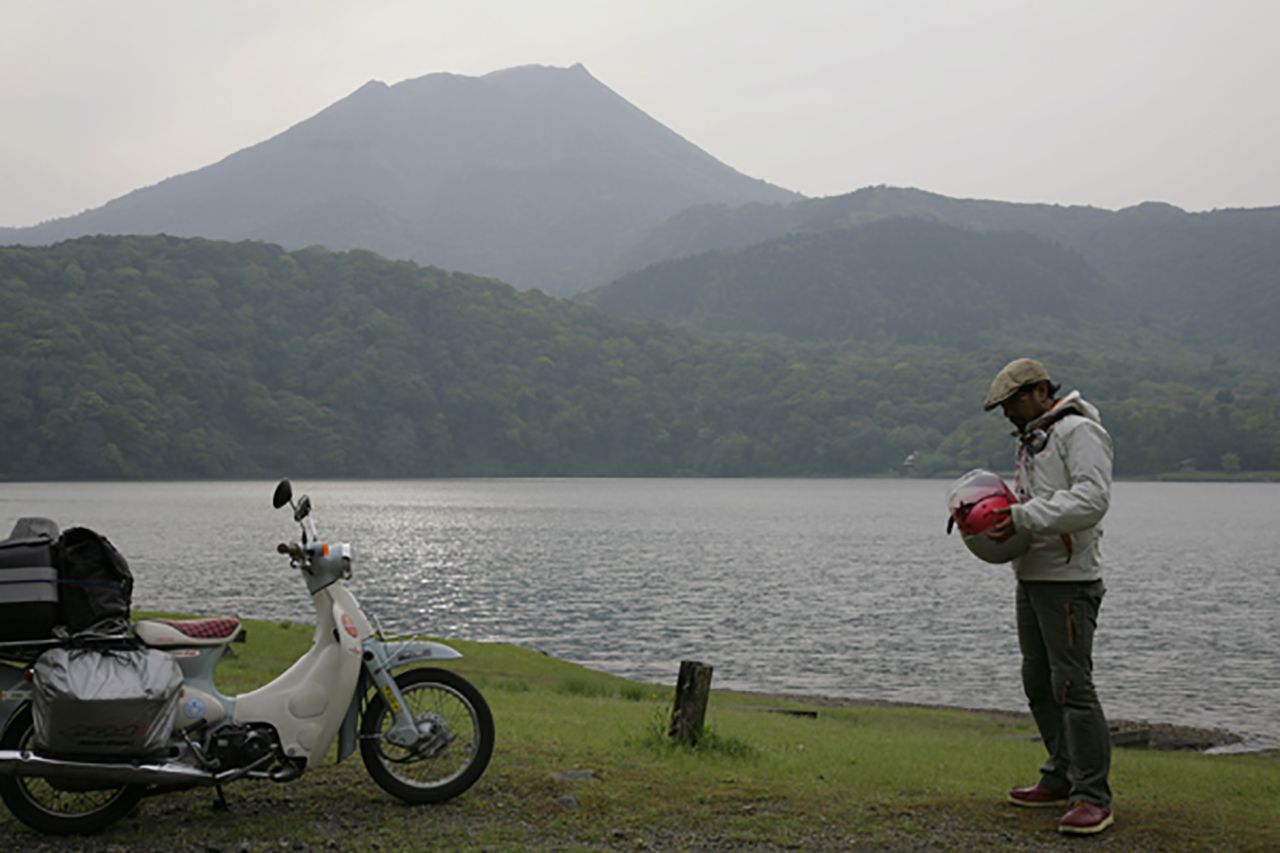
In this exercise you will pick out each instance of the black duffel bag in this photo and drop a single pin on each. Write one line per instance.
(28, 588)
(94, 580)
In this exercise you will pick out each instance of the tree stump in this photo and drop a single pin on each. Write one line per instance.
(693, 689)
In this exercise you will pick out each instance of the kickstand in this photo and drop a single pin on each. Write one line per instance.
(220, 803)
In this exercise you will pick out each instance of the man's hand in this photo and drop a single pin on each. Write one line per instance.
(1003, 528)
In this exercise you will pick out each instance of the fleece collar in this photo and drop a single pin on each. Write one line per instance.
(1072, 404)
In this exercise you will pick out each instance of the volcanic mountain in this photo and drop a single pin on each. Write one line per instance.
(540, 176)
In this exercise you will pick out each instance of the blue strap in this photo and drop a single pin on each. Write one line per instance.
(68, 581)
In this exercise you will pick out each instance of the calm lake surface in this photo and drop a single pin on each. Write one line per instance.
(833, 587)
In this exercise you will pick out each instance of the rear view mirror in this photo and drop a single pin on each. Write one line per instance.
(284, 494)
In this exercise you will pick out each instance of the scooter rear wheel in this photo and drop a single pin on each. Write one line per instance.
(457, 741)
(54, 810)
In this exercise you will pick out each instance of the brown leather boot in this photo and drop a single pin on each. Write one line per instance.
(1037, 797)
(1085, 819)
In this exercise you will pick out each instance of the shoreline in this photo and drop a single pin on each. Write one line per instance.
(1129, 734)
(1125, 733)
(1260, 475)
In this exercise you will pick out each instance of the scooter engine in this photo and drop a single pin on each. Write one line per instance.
(238, 746)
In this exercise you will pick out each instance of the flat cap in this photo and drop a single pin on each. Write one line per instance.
(1014, 375)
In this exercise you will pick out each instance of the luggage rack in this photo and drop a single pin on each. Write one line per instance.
(31, 649)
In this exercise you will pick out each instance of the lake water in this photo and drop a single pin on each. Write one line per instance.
(833, 587)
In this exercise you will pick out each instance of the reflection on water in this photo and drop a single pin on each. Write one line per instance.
(838, 587)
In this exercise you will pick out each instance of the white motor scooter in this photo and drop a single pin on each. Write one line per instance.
(425, 735)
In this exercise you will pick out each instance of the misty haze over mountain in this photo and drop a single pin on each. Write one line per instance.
(545, 178)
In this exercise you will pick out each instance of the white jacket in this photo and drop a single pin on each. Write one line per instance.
(1064, 490)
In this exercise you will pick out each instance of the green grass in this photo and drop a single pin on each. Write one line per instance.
(854, 776)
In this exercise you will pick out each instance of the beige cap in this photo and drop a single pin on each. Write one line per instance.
(1014, 375)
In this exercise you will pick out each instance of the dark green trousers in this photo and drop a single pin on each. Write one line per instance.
(1056, 621)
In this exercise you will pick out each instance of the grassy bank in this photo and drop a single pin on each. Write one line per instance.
(1218, 477)
(582, 763)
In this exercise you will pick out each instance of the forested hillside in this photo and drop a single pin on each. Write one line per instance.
(148, 357)
(891, 281)
(1210, 280)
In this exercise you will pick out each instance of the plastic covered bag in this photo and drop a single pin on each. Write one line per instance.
(104, 702)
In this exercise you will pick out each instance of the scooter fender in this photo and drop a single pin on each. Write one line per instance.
(400, 653)
(380, 658)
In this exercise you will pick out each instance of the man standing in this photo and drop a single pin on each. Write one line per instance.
(1063, 484)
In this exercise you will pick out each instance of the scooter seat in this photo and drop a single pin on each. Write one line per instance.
(178, 633)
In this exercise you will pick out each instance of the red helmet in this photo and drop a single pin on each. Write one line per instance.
(973, 502)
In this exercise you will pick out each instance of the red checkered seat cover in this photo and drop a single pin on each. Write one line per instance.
(170, 633)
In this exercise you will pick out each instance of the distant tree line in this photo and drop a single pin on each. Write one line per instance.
(158, 357)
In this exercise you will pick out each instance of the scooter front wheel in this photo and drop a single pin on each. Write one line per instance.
(455, 743)
(57, 807)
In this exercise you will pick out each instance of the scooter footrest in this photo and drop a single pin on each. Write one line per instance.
(178, 633)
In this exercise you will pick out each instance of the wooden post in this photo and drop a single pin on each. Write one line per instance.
(693, 689)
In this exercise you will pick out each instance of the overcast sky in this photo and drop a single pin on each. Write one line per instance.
(1106, 103)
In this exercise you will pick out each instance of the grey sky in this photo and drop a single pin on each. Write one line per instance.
(1106, 103)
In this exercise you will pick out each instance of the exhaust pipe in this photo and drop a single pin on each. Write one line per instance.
(15, 762)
